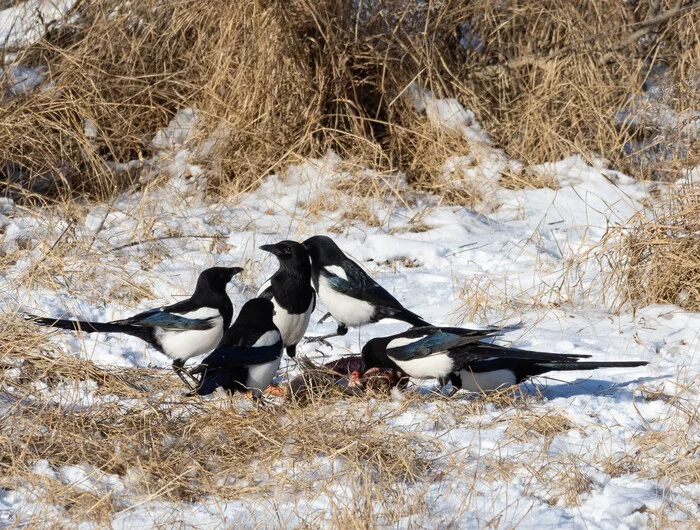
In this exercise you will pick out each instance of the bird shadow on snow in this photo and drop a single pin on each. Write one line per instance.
(622, 391)
(597, 387)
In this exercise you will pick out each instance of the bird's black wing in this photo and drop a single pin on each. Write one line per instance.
(361, 286)
(485, 351)
(232, 356)
(168, 318)
(428, 341)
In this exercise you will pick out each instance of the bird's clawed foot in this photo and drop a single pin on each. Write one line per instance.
(320, 340)
(442, 383)
(324, 318)
(342, 330)
(179, 368)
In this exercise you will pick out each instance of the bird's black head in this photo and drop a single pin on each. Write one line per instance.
(323, 251)
(292, 255)
(216, 278)
(254, 319)
(374, 355)
(257, 313)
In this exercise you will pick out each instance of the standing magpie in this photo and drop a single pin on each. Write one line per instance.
(186, 329)
(459, 356)
(348, 292)
(247, 357)
(290, 291)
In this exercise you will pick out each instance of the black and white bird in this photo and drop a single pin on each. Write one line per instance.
(290, 291)
(351, 296)
(248, 356)
(460, 356)
(186, 329)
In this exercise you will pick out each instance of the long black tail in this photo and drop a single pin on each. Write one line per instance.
(143, 333)
(590, 365)
(411, 318)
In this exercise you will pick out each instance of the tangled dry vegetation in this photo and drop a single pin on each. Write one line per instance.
(284, 79)
(656, 259)
(138, 428)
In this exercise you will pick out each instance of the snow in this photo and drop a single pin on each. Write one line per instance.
(26, 22)
(519, 257)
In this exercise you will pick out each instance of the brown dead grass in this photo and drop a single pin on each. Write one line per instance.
(668, 449)
(274, 81)
(656, 258)
(545, 425)
(170, 448)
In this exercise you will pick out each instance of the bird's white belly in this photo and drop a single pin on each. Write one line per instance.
(292, 327)
(486, 381)
(345, 309)
(261, 375)
(433, 366)
(190, 343)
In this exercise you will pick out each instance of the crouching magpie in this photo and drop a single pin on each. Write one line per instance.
(247, 357)
(351, 296)
(290, 291)
(461, 357)
(186, 329)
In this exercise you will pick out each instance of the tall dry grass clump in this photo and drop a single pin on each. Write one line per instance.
(658, 254)
(278, 79)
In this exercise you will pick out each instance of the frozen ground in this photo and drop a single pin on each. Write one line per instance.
(525, 256)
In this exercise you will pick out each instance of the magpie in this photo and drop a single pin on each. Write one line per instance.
(186, 329)
(351, 296)
(461, 357)
(290, 291)
(248, 356)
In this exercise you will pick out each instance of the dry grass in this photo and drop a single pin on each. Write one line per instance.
(543, 426)
(656, 259)
(140, 430)
(273, 81)
(667, 449)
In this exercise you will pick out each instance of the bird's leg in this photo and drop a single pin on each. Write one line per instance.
(456, 384)
(179, 367)
(324, 318)
(342, 330)
(256, 396)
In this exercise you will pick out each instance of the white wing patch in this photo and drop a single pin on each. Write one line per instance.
(201, 313)
(345, 309)
(486, 381)
(337, 270)
(433, 366)
(403, 341)
(267, 339)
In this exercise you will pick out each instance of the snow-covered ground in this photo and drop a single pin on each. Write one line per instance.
(527, 256)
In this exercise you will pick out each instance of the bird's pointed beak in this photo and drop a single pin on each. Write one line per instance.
(272, 249)
(363, 369)
(234, 271)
